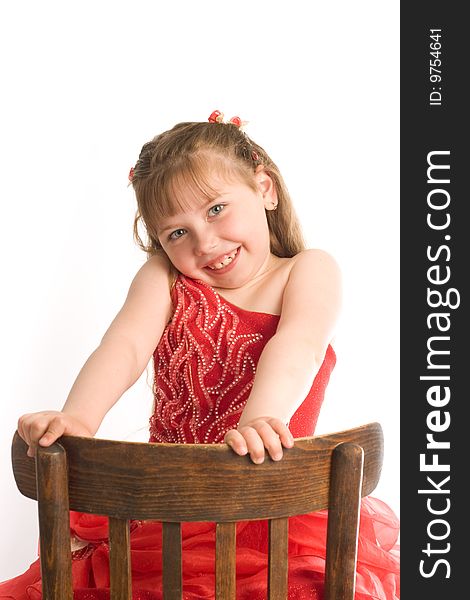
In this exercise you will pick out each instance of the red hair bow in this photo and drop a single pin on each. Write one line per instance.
(218, 117)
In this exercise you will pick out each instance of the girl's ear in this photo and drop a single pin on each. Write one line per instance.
(266, 187)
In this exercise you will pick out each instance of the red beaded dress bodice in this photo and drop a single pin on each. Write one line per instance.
(205, 365)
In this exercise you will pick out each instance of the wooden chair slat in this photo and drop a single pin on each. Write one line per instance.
(171, 561)
(343, 521)
(205, 472)
(225, 547)
(277, 559)
(53, 507)
(120, 558)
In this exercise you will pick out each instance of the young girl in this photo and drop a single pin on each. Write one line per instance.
(239, 318)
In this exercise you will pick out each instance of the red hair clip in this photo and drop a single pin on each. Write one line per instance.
(131, 174)
(218, 117)
(238, 122)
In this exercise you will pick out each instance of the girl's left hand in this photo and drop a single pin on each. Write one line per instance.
(254, 436)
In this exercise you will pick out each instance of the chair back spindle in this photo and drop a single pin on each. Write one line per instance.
(172, 561)
(120, 558)
(277, 558)
(343, 521)
(225, 542)
(53, 507)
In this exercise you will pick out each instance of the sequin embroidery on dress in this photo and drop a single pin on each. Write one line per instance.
(205, 365)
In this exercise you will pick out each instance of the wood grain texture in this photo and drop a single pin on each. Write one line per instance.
(343, 522)
(120, 559)
(277, 559)
(55, 551)
(172, 561)
(205, 472)
(225, 574)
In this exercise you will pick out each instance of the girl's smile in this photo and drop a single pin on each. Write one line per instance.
(225, 262)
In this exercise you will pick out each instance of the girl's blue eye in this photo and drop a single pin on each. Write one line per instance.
(215, 210)
(176, 234)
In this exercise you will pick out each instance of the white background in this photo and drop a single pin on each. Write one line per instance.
(86, 84)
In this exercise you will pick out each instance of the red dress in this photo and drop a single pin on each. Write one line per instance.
(205, 364)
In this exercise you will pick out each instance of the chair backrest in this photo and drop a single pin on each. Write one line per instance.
(174, 483)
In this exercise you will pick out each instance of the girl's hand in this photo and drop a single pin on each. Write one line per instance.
(254, 436)
(44, 428)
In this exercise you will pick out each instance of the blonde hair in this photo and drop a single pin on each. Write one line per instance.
(184, 157)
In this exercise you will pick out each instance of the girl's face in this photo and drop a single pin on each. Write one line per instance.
(224, 241)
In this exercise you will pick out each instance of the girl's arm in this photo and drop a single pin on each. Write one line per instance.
(114, 366)
(291, 358)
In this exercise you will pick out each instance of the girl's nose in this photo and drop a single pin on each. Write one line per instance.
(205, 243)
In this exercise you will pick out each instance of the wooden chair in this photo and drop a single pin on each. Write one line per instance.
(173, 483)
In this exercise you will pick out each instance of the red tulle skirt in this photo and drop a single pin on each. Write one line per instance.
(377, 565)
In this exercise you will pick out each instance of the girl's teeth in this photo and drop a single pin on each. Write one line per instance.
(227, 260)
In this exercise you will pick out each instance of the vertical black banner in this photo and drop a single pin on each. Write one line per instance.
(435, 236)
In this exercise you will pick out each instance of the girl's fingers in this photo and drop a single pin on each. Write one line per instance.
(42, 428)
(269, 438)
(253, 438)
(23, 428)
(37, 431)
(55, 429)
(254, 443)
(236, 441)
(246, 441)
(286, 437)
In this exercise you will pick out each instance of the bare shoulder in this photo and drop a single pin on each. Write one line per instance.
(312, 266)
(156, 269)
(155, 276)
(149, 291)
(314, 258)
(314, 280)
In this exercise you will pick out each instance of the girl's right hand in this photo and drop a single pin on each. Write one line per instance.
(44, 428)
(252, 437)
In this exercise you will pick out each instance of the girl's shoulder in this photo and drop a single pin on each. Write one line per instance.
(156, 267)
(312, 255)
(314, 276)
(313, 262)
(154, 279)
